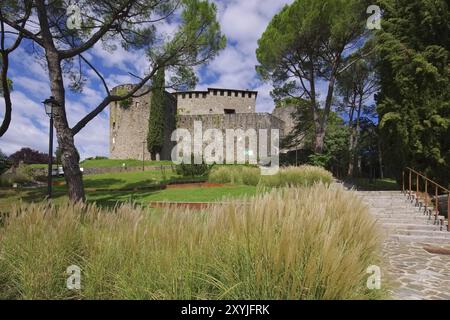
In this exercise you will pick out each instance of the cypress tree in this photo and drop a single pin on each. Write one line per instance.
(155, 139)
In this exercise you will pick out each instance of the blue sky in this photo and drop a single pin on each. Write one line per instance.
(242, 22)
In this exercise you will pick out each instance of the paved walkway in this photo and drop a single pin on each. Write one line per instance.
(412, 272)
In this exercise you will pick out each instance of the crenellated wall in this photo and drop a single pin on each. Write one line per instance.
(216, 108)
(216, 101)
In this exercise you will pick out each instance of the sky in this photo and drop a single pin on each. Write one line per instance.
(242, 22)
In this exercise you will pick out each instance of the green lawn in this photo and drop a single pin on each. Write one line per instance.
(375, 185)
(108, 189)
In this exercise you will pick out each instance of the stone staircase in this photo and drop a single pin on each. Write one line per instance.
(403, 220)
(412, 272)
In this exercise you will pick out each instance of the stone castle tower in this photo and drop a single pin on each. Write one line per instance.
(215, 108)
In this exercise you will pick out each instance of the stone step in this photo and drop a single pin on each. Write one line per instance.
(399, 211)
(405, 221)
(402, 216)
(420, 239)
(408, 226)
(423, 233)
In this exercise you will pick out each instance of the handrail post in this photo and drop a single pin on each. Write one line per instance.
(403, 182)
(448, 212)
(437, 203)
(410, 183)
(417, 191)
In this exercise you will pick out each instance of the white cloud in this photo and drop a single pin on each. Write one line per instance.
(242, 22)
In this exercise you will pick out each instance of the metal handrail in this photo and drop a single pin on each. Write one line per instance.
(425, 195)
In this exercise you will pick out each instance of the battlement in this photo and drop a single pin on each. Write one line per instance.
(216, 101)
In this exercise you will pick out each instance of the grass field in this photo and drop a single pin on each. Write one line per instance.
(295, 244)
(112, 188)
(143, 187)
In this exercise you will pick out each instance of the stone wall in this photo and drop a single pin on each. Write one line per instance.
(243, 121)
(129, 128)
(216, 101)
(287, 114)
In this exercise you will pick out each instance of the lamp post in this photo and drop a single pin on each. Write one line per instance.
(50, 105)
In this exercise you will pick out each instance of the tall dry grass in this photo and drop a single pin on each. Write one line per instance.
(290, 176)
(313, 243)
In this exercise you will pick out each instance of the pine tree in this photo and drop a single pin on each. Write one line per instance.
(155, 139)
(414, 71)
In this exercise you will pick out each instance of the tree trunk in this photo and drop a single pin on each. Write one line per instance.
(351, 146)
(356, 131)
(319, 139)
(69, 155)
(321, 125)
(70, 158)
(6, 94)
(380, 159)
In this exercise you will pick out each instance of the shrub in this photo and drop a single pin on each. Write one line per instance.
(22, 175)
(291, 176)
(220, 175)
(193, 170)
(250, 176)
(5, 164)
(311, 243)
(298, 176)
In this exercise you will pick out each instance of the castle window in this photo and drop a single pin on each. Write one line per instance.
(190, 95)
(243, 94)
(204, 95)
(230, 111)
(197, 95)
(236, 94)
(249, 94)
(114, 141)
(183, 96)
(137, 104)
(215, 92)
(114, 125)
(229, 93)
(222, 93)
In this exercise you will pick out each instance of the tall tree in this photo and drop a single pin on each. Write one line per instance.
(155, 139)
(414, 101)
(305, 45)
(133, 23)
(9, 42)
(355, 87)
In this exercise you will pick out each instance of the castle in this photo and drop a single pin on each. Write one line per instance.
(216, 108)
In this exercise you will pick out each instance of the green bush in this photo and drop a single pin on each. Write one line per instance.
(22, 175)
(250, 176)
(5, 164)
(220, 175)
(193, 170)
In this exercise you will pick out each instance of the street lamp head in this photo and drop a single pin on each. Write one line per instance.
(50, 105)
